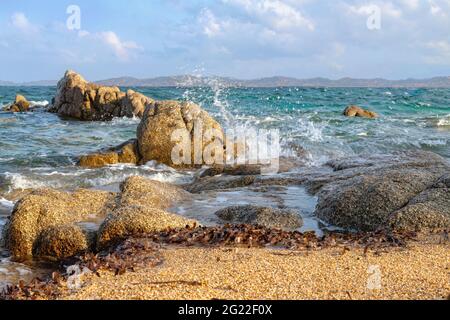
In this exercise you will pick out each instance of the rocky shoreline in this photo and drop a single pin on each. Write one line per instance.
(377, 201)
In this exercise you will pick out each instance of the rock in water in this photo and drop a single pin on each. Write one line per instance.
(79, 99)
(20, 105)
(355, 111)
(400, 193)
(160, 121)
(263, 216)
(46, 208)
(125, 153)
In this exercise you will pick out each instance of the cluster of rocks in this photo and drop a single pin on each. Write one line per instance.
(20, 104)
(76, 98)
(51, 225)
(408, 191)
(48, 224)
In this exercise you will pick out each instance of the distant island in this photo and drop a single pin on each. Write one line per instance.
(198, 81)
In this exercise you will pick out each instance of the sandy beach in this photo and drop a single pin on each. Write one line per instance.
(419, 272)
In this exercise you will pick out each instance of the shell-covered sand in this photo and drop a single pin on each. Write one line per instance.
(421, 271)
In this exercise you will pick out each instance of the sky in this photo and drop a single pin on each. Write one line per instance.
(243, 39)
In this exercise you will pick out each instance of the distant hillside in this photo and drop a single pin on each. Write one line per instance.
(195, 81)
(40, 83)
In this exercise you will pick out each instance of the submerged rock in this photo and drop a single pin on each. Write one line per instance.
(125, 153)
(61, 242)
(20, 105)
(137, 220)
(46, 208)
(397, 193)
(162, 119)
(263, 216)
(79, 99)
(355, 111)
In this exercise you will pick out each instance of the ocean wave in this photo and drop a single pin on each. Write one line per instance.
(111, 178)
(38, 104)
(310, 130)
(444, 122)
(6, 203)
(18, 181)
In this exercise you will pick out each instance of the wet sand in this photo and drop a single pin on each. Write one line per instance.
(420, 272)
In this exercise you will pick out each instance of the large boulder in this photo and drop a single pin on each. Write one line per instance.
(20, 105)
(61, 242)
(44, 209)
(384, 192)
(162, 119)
(137, 220)
(355, 111)
(79, 99)
(127, 152)
(263, 216)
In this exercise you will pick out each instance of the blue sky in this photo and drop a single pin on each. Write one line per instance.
(236, 38)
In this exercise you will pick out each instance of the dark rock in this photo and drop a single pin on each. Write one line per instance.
(363, 195)
(429, 211)
(220, 183)
(263, 216)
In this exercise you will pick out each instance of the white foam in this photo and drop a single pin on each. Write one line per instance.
(22, 271)
(444, 122)
(42, 103)
(18, 181)
(6, 203)
(310, 130)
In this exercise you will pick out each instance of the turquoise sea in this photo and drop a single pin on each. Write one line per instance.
(39, 149)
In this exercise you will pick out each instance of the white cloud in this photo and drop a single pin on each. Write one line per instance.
(435, 9)
(279, 14)
(441, 51)
(411, 4)
(122, 49)
(211, 26)
(20, 22)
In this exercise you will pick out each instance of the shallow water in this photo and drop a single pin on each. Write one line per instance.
(39, 149)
